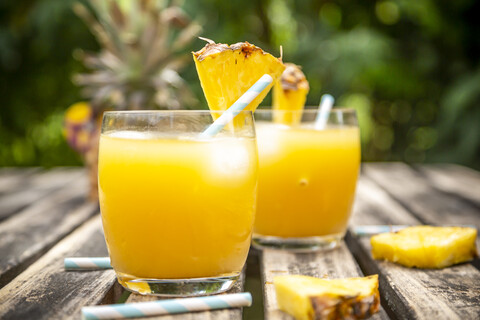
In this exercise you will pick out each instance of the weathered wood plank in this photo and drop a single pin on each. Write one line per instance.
(428, 205)
(450, 293)
(35, 187)
(337, 263)
(46, 291)
(458, 180)
(369, 207)
(31, 232)
(233, 314)
(11, 179)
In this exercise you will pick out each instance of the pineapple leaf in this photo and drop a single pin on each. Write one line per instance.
(186, 36)
(143, 47)
(95, 27)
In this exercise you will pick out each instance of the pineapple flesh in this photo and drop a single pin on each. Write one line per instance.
(290, 94)
(227, 72)
(308, 298)
(426, 246)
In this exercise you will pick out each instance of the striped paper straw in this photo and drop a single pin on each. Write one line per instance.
(363, 231)
(238, 106)
(162, 307)
(326, 105)
(86, 263)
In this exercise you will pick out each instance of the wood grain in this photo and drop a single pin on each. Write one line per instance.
(230, 314)
(427, 204)
(35, 187)
(46, 291)
(30, 233)
(370, 207)
(337, 263)
(12, 179)
(460, 181)
(407, 293)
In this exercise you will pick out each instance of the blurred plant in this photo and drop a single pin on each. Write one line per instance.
(143, 45)
(410, 68)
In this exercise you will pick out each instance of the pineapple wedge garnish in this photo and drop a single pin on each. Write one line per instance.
(426, 246)
(308, 298)
(290, 94)
(227, 72)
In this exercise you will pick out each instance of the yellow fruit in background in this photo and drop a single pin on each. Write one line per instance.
(426, 246)
(308, 298)
(226, 72)
(78, 126)
(290, 94)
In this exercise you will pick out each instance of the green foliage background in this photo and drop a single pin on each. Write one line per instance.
(410, 68)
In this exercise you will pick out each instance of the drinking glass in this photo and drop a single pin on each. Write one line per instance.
(307, 178)
(177, 209)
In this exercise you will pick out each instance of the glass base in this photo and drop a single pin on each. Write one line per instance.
(303, 244)
(178, 287)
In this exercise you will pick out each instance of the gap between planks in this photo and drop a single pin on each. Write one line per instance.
(37, 228)
(415, 194)
(33, 187)
(453, 179)
(336, 263)
(46, 291)
(407, 293)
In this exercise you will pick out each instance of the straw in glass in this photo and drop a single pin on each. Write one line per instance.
(326, 104)
(238, 106)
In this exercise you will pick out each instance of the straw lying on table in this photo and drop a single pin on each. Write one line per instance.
(238, 106)
(87, 263)
(371, 230)
(362, 231)
(162, 307)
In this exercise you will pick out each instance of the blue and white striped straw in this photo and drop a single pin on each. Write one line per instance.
(238, 106)
(162, 307)
(326, 104)
(363, 231)
(370, 230)
(86, 263)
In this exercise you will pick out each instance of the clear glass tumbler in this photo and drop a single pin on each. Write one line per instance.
(307, 178)
(177, 209)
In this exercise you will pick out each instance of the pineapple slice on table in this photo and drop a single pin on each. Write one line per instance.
(227, 72)
(426, 246)
(308, 298)
(290, 94)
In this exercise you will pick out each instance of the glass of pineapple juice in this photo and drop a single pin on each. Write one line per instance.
(307, 178)
(177, 210)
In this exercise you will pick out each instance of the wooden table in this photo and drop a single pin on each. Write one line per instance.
(44, 217)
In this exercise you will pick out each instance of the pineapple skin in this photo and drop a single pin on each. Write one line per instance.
(291, 101)
(309, 298)
(290, 94)
(426, 247)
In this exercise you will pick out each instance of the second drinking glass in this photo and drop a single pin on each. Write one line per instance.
(307, 178)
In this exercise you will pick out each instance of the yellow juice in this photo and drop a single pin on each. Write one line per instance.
(177, 208)
(307, 179)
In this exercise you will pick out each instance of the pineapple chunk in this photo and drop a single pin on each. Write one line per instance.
(308, 298)
(290, 94)
(226, 72)
(426, 246)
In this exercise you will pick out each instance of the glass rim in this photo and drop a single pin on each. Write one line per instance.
(311, 110)
(113, 112)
